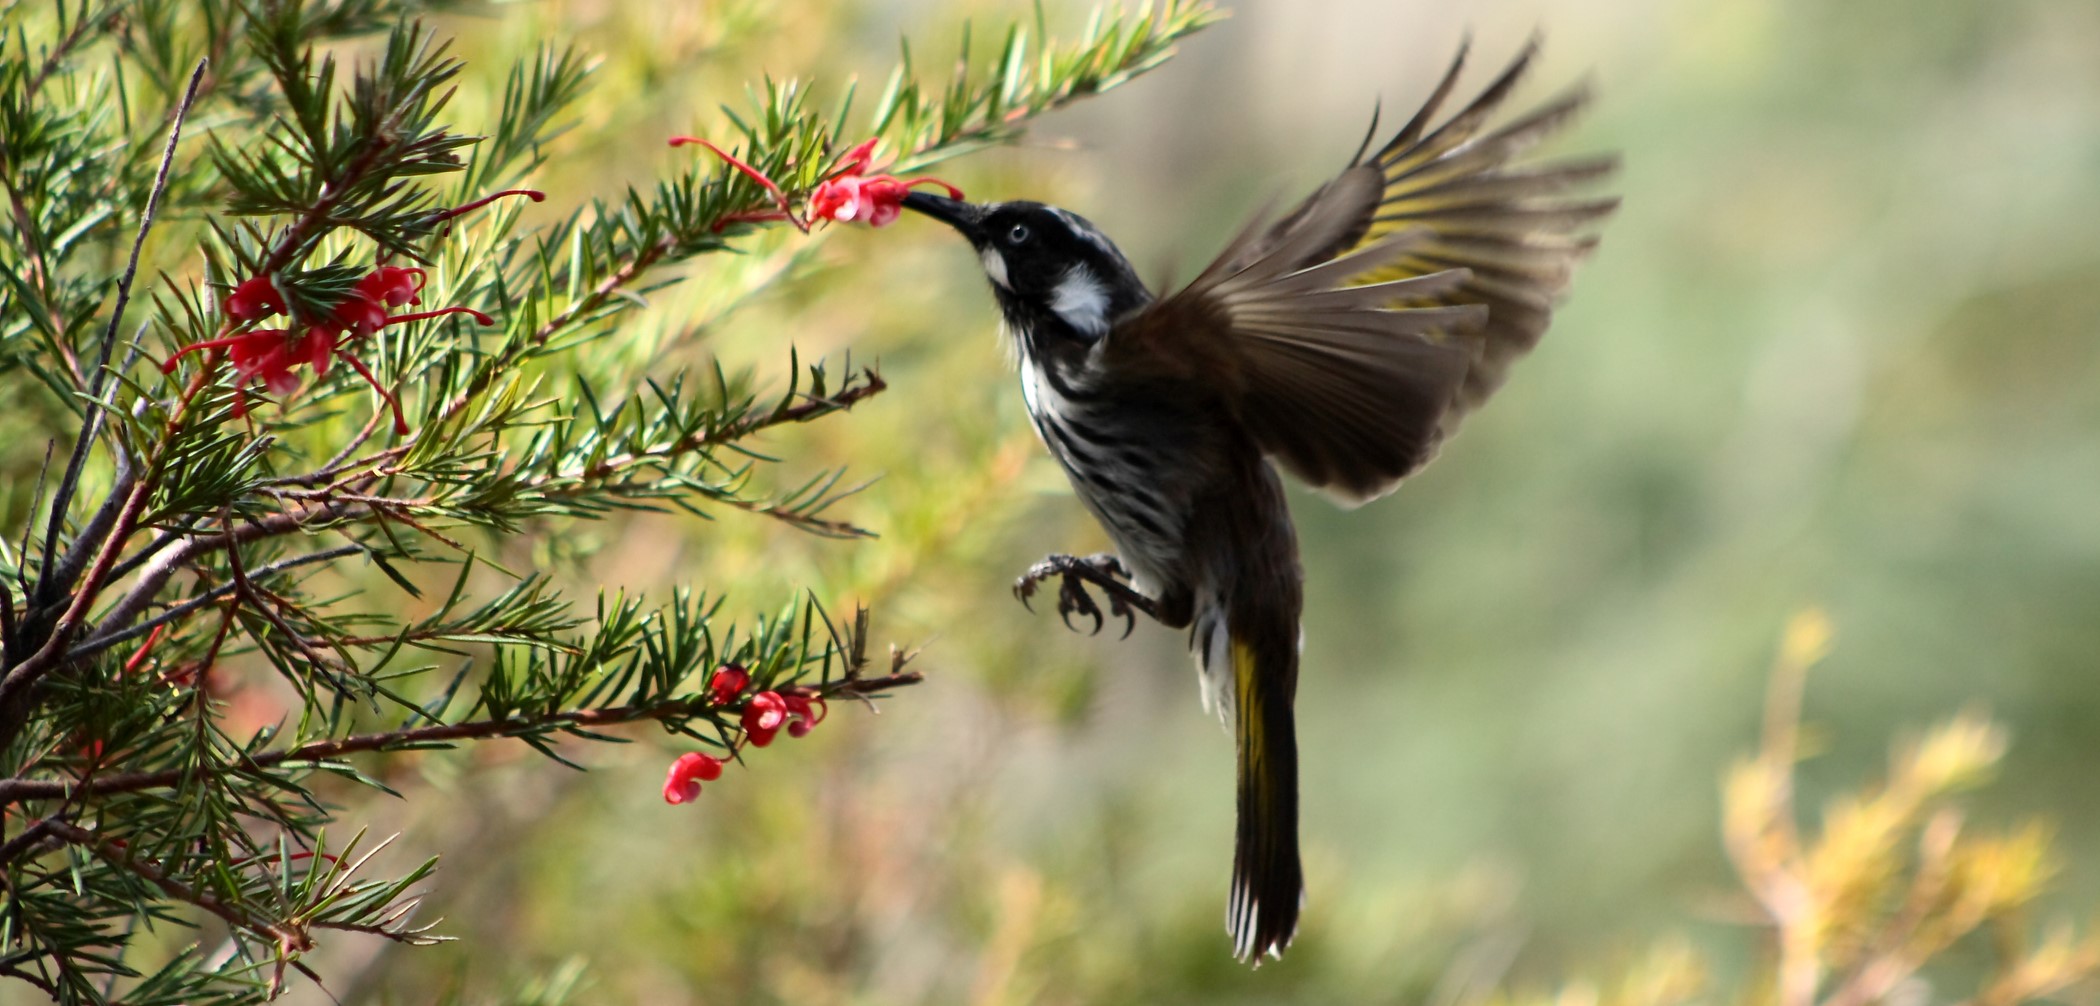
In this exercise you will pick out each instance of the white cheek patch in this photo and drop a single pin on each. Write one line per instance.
(995, 267)
(1081, 301)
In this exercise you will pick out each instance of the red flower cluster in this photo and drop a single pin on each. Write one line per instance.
(847, 193)
(796, 710)
(268, 355)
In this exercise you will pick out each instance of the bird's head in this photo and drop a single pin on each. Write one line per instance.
(1049, 267)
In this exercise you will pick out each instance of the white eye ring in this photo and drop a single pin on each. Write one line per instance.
(1018, 235)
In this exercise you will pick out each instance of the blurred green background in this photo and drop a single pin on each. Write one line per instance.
(1838, 348)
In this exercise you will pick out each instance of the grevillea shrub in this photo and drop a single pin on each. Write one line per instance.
(293, 352)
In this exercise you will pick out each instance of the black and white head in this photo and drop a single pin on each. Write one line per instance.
(1055, 275)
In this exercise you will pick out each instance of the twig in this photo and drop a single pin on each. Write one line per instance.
(13, 790)
(48, 588)
(871, 385)
(267, 606)
(23, 675)
(21, 843)
(42, 984)
(621, 277)
(108, 639)
(59, 52)
(160, 541)
(1893, 957)
(288, 937)
(156, 574)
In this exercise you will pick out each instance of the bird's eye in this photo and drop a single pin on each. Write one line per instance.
(1018, 235)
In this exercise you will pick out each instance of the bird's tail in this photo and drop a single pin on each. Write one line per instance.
(1268, 886)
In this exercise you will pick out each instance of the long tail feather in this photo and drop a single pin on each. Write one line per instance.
(1268, 885)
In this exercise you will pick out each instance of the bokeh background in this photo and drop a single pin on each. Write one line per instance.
(1838, 349)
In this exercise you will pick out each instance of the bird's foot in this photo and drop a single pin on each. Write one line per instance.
(1073, 573)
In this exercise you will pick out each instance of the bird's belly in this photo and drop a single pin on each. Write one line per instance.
(1129, 476)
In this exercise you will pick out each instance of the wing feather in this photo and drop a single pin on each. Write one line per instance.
(1352, 335)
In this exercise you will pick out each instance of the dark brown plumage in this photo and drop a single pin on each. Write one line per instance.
(1343, 343)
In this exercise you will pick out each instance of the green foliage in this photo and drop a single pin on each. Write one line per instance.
(201, 155)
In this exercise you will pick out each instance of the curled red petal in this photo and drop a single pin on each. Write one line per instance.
(233, 342)
(361, 313)
(859, 159)
(254, 298)
(805, 711)
(682, 781)
(877, 200)
(837, 199)
(765, 711)
(393, 286)
(763, 717)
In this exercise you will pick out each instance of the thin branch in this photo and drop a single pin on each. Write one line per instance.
(21, 843)
(59, 52)
(285, 935)
(606, 288)
(42, 984)
(157, 572)
(48, 588)
(90, 647)
(872, 384)
(23, 675)
(13, 790)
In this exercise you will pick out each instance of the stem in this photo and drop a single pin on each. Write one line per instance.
(13, 790)
(115, 634)
(621, 277)
(26, 673)
(285, 937)
(48, 588)
(872, 385)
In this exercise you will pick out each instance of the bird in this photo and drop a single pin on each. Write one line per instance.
(1342, 343)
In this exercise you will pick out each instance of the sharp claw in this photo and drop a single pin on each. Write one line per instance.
(1074, 575)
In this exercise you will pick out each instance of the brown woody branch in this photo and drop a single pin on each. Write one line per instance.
(285, 936)
(13, 790)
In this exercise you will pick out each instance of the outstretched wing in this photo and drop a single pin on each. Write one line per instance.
(1352, 335)
(1514, 227)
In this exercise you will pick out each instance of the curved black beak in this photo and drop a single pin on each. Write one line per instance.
(955, 213)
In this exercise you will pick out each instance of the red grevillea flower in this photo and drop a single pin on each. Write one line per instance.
(682, 783)
(763, 717)
(269, 355)
(805, 710)
(851, 194)
(393, 286)
(847, 193)
(728, 683)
